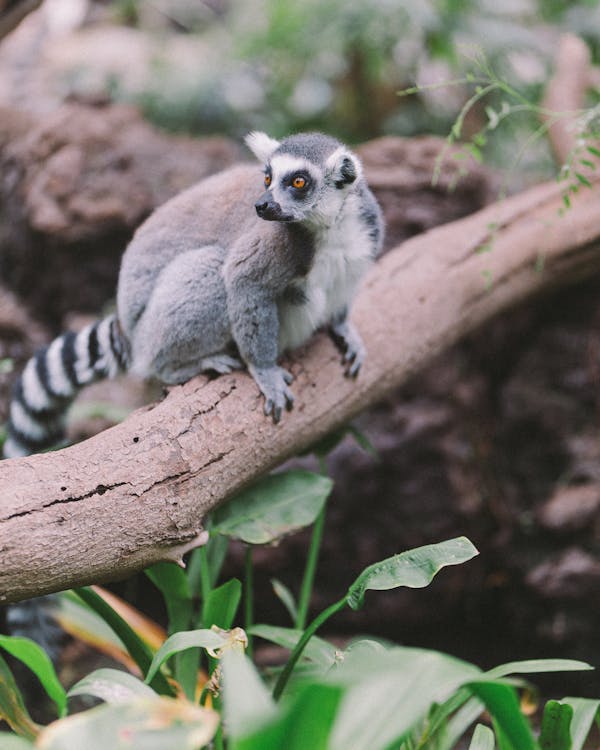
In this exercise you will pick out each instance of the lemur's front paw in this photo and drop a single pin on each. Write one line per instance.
(350, 342)
(273, 383)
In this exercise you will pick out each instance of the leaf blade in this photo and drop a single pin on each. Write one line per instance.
(37, 660)
(112, 686)
(277, 505)
(414, 568)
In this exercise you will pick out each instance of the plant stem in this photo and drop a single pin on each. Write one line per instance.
(310, 570)
(311, 560)
(299, 647)
(205, 585)
(219, 739)
(248, 597)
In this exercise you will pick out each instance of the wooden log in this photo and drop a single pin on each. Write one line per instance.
(137, 493)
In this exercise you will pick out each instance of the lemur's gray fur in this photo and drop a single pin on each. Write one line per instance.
(220, 277)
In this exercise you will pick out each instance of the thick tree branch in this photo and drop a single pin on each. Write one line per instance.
(137, 493)
(565, 93)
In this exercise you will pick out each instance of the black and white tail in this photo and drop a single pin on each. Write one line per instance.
(51, 380)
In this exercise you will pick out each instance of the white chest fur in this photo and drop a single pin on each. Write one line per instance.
(343, 254)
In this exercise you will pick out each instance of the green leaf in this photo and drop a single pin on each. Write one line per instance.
(286, 598)
(583, 179)
(277, 505)
(307, 723)
(204, 638)
(170, 580)
(501, 701)
(112, 686)
(414, 568)
(363, 441)
(12, 707)
(584, 712)
(247, 703)
(594, 151)
(174, 586)
(144, 724)
(389, 690)
(222, 604)
(317, 650)
(34, 657)
(136, 647)
(483, 738)
(461, 721)
(537, 666)
(13, 742)
(556, 723)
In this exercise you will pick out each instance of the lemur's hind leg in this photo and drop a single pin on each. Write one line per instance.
(219, 363)
(185, 328)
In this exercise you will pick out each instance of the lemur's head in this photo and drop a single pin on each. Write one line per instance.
(307, 177)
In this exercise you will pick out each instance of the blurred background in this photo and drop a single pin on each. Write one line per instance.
(219, 66)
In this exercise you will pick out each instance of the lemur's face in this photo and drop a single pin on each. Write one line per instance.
(298, 189)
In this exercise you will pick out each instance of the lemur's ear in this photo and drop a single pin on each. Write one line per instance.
(343, 167)
(261, 145)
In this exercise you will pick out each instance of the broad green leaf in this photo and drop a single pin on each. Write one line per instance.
(286, 597)
(556, 723)
(461, 721)
(414, 568)
(483, 738)
(222, 604)
(137, 648)
(215, 551)
(584, 712)
(112, 686)
(12, 707)
(34, 657)
(14, 742)
(537, 666)
(170, 580)
(317, 650)
(207, 639)
(501, 701)
(307, 723)
(174, 586)
(397, 686)
(247, 704)
(277, 505)
(145, 724)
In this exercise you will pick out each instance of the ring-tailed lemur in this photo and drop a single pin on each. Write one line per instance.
(219, 277)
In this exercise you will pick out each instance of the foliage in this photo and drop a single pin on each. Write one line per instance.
(369, 695)
(282, 66)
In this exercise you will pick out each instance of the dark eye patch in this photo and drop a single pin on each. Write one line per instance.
(292, 177)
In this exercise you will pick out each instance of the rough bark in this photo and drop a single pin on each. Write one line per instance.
(137, 493)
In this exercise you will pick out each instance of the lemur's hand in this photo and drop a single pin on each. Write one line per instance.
(273, 383)
(349, 341)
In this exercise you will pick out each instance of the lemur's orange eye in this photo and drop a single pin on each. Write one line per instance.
(299, 182)
(267, 180)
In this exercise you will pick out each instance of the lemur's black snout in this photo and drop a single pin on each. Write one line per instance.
(268, 208)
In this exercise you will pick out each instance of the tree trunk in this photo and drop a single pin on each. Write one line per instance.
(137, 493)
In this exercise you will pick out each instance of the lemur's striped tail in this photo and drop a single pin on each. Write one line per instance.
(51, 380)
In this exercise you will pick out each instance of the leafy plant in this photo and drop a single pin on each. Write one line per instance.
(367, 695)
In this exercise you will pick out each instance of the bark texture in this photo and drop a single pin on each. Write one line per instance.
(137, 493)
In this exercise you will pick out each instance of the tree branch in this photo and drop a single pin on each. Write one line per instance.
(136, 494)
(573, 75)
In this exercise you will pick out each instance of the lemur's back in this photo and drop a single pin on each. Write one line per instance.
(191, 220)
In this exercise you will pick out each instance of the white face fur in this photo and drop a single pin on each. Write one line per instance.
(300, 189)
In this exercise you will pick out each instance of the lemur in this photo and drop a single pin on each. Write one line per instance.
(220, 277)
